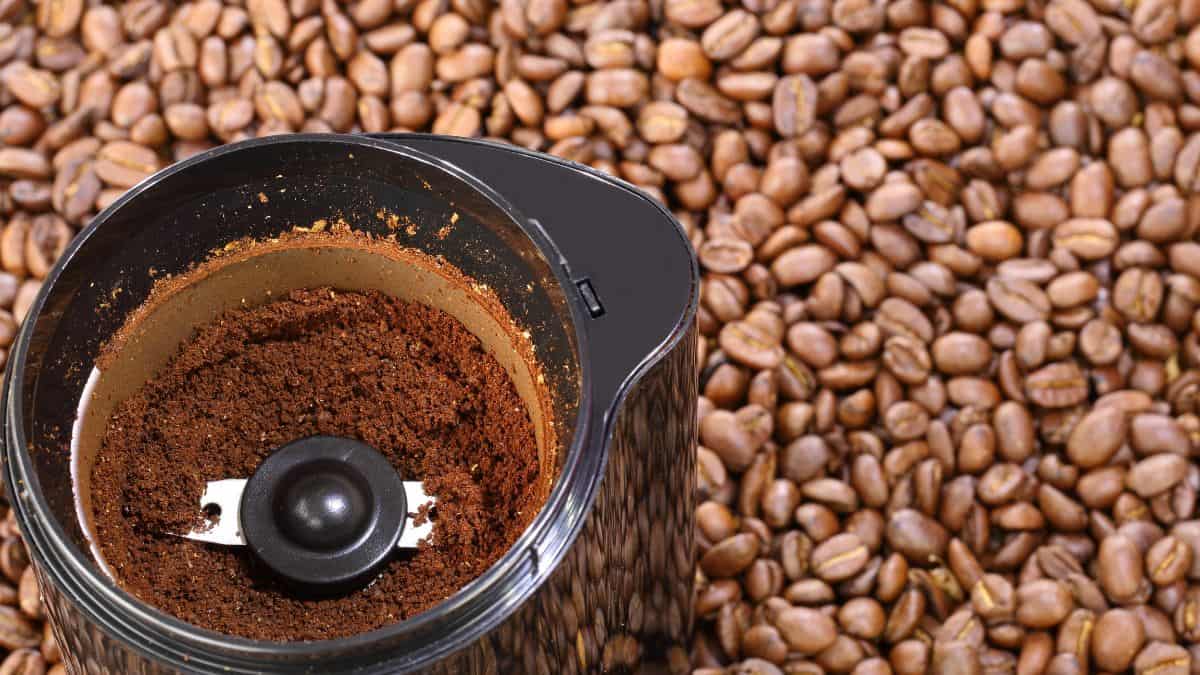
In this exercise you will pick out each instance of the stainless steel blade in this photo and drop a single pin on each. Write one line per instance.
(225, 497)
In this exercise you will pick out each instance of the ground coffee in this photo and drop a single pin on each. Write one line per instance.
(407, 379)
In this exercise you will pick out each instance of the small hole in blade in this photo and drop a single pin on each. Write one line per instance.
(212, 511)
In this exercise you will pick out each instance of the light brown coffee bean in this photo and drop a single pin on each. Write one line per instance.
(1058, 385)
(23, 163)
(995, 240)
(1138, 294)
(802, 265)
(29, 597)
(1168, 560)
(31, 86)
(17, 631)
(1151, 434)
(960, 353)
(794, 105)
(1019, 300)
(1161, 658)
(24, 662)
(731, 556)
(893, 201)
(1156, 474)
(730, 35)
(916, 536)
(805, 630)
(1100, 342)
(1097, 437)
(1116, 639)
(123, 164)
(1043, 603)
(1119, 568)
(839, 558)
(1087, 238)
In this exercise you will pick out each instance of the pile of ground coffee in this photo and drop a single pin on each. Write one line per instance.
(404, 378)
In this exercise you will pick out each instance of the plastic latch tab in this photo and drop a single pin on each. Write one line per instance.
(590, 298)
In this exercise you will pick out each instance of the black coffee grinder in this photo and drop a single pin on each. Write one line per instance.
(600, 279)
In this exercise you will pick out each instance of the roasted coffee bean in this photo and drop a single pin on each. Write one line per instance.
(1116, 639)
(1042, 603)
(28, 596)
(1097, 437)
(1119, 568)
(731, 556)
(805, 630)
(1156, 474)
(972, 227)
(24, 662)
(1168, 560)
(915, 535)
(839, 558)
(1058, 385)
(1162, 658)
(17, 631)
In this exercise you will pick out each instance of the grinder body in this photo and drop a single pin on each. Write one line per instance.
(602, 581)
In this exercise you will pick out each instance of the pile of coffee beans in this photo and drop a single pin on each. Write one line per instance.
(950, 356)
(28, 644)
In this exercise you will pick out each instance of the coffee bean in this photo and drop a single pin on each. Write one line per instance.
(731, 556)
(1088, 238)
(1119, 567)
(794, 105)
(961, 353)
(1168, 560)
(994, 240)
(1117, 637)
(839, 558)
(1100, 342)
(29, 597)
(123, 164)
(892, 201)
(1161, 658)
(1138, 294)
(726, 436)
(1097, 437)
(23, 662)
(1156, 474)
(1043, 603)
(801, 265)
(75, 190)
(1019, 300)
(31, 86)
(727, 256)
(17, 631)
(805, 630)
(22, 163)
(915, 535)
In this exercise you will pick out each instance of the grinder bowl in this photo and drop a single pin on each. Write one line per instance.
(515, 300)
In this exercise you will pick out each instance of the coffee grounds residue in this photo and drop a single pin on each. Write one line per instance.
(407, 379)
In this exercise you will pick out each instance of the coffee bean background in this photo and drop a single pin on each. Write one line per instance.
(28, 645)
(950, 351)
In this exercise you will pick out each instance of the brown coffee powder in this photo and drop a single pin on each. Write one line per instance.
(409, 380)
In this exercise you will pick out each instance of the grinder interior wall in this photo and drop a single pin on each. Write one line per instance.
(266, 190)
(156, 333)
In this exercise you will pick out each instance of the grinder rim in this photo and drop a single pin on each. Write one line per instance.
(75, 571)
